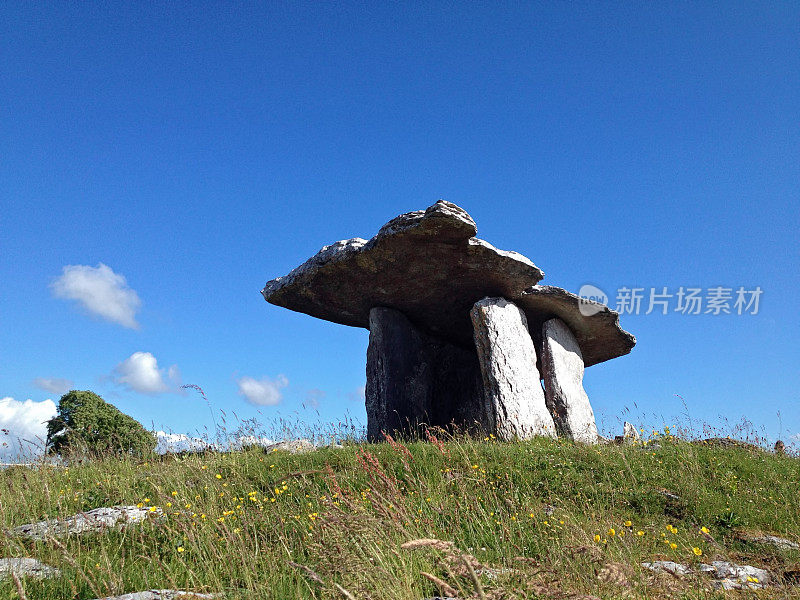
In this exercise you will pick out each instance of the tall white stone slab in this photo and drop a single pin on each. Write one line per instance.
(514, 397)
(562, 368)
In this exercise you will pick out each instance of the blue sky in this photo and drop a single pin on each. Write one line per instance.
(198, 150)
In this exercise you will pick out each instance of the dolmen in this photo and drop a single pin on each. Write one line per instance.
(460, 333)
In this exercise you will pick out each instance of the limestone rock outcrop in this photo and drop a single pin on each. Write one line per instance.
(96, 519)
(27, 567)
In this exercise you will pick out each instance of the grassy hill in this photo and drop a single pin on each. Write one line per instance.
(539, 519)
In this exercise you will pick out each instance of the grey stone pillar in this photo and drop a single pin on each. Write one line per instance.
(514, 397)
(414, 378)
(562, 366)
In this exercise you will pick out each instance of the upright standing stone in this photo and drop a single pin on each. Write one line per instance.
(414, 378)
(514, 397)
(562, 367)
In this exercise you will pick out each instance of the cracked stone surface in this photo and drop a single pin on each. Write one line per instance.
(27, 567)
(513, 393)
(91, 520)
(562, 369)
(429, 265)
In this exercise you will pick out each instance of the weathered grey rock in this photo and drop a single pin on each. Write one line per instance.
(734, 577)
(97, 519)
(414, 379)
(300, 446)
(668, 566)
(630, 433)
(599, 334)
(514, 397)
(429, 267)
(562, 368)
(163, 595)
(771, 540)
(27, 567)
(728, 576)
(427, 264)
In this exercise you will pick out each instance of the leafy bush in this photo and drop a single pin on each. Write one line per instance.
(87, 425)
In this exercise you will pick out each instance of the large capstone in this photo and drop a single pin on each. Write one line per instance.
(430, 266)
(426, 264)
(514, 397)
(562, 367)
(415, 380)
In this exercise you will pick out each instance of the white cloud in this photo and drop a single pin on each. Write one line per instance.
(140, 373)
(313, 397)
(54, 384)
(359, 395)
(100, 291)
(23, 428)
(262, 392)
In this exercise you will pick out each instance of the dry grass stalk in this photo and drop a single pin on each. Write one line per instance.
(475, 581)
(306, 571)
(18, 584)
(344, 592)
(427, 543)
(445, 589)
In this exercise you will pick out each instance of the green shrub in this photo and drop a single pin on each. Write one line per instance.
(87, 425)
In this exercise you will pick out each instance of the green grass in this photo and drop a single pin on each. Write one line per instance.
(237, 521)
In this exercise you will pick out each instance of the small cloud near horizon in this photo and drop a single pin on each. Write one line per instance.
(54, 385)
(313, 398)
(23, 428)
(262, 392)
(100, 291)
(359, 395)
(140, 373)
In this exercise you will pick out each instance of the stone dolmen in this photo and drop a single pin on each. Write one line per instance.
(460, 333)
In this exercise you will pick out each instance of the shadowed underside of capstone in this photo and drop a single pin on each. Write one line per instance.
(428, 273)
